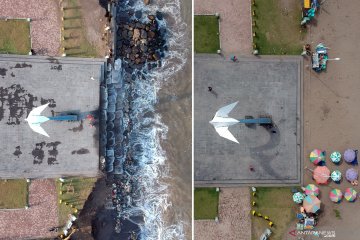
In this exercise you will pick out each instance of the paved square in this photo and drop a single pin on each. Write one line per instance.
(263, 86)
(68, 84)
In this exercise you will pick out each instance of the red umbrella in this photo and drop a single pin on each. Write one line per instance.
(321, 175)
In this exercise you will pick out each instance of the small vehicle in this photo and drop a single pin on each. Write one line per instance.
(309, 9)
(266, 234)
(319, 58)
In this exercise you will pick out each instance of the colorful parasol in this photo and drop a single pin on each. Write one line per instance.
(351, 174)
(317, 156)
(311, 189)
(298, 197)
(350, 194)
(336, 175)
(335, 157)
(311, 204)
(321, 174)
(349, 155)
(335, 195)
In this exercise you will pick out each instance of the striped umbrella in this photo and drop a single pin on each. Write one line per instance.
(317, 156)
(311, 189)
(311, 204)
(351, 174)
(321, 174)
(336, 175)
(335, 195)
(298, 197)
(349, 155)
(335, 157)
(350, 194)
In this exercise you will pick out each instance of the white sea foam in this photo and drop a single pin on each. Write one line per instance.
(148, 130)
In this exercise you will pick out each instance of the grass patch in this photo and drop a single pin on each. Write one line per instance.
(277, 204)
(15, 37)
(14, 193)
(206, 201)
(206, 30)
(76, 43)
(277, 28)
(75, 191)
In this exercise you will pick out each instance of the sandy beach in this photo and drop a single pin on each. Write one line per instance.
(175, 104)
(330, 108)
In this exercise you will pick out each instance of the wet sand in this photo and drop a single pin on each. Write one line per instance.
(175, 108)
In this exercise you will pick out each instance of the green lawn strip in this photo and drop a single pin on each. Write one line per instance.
(82, 188)
(206, 202)
(15, 37)
(76, 43)
(277, 204)
(14, 193)
(206, 30)
(278, 28)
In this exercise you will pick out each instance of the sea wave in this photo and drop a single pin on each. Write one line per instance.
(148, 130)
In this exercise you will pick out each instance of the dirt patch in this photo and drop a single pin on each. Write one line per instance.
(94, 21)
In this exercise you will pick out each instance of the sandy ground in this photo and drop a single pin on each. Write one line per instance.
(45, 22)
(235, 24)
(234, 216)
(331, 107)
(175, 108)
(94, 20)
(37, 219)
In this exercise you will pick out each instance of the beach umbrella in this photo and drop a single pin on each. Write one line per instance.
(317, 156)
(311, 204)
(311, 189)
(321, 174)
(298, 197)
(350, 194)
(335, 195)
(335, 157)
(351, 174)
(349, 155)
(336, 175)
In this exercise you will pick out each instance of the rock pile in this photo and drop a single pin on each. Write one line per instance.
(139, 42)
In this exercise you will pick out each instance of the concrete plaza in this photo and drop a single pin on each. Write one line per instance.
(264, 87)
(68, 85)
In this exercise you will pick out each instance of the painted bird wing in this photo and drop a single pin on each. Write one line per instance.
(37, 128)
(225, 133)
(37, 111)
(224, 111)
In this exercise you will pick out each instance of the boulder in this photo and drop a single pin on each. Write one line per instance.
(143, 34)
(159, 15)
(146, 2)
(143, 48)
(136, 34)
(138, 14)
(151, 34)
